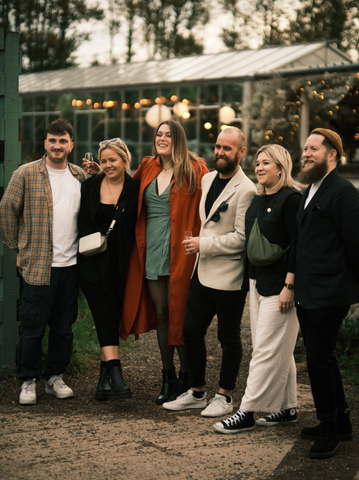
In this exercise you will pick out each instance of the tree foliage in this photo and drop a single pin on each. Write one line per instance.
(48, 35)
(275, 22)
(169, 24)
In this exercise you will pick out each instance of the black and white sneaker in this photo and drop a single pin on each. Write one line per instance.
(241, 421)
(280, 418)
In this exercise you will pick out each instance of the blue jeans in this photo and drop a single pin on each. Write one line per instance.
(320, 329)
(55, 305)
(202, 305)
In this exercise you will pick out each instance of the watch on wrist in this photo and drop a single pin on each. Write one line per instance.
(290, 286)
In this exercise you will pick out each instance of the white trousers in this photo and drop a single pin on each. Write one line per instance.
(271, 383)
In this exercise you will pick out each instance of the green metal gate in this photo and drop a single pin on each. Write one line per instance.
(10, 158)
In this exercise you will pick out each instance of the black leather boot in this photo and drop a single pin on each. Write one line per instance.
(168, 384)
(103, 391)
(181, 387)
(119, 387)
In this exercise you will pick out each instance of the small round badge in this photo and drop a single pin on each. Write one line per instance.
(269, 210)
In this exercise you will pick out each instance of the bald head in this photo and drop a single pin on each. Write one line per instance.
(234, 134)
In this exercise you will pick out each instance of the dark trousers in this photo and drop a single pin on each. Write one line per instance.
(106, 312)
(55, 305)
(202, 305)
(320, 329)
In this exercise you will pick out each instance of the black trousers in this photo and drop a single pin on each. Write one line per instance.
(106, 311)
(320, 329)
(55, 305)
(202, 305)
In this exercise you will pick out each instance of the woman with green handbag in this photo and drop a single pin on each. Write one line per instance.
(271, 245)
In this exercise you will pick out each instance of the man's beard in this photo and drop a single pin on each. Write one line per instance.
(314, 174)
(228, 167)
(60, 159)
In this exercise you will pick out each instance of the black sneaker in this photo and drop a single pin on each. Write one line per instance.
(239, 422)
(281, 418)
(326, 444)
(345, 429)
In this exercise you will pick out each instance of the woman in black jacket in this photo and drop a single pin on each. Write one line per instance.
(271, 383)
(103, 276)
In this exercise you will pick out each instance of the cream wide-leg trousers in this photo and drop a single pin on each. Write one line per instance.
(271, 383)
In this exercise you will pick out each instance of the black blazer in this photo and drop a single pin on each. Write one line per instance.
(327, 272)
(95, 269)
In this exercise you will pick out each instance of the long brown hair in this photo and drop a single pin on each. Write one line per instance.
(181, 157)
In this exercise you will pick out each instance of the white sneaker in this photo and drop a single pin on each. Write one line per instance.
(186, 401)
(56, 386)
(218, 406)
(28, 392)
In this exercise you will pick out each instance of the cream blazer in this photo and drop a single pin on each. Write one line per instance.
(221, 254)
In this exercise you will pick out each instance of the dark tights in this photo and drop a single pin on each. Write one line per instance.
(159, 292)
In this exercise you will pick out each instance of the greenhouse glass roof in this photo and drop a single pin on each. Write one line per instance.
(225, 66)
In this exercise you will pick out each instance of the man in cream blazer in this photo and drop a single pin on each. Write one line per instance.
(217, 280)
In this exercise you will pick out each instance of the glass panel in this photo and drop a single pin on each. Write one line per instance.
(67, 110)
(40, 127)
(40, 104)
(209, 94)
(189, 93)
(147, 134)
(132, 98)
(131, 131)
(82, 127)
(27, 103)
(54, 102)
(98, 127)
(209, 125)
(168, 95)
(189, 125)
(232, 92)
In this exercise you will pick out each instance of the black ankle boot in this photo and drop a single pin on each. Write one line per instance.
(103, 391)
(119, 387)
(168, 383)
(181, 387)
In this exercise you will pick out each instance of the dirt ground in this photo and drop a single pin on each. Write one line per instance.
(81, 438)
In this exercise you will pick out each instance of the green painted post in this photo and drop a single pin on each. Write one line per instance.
(10, 159)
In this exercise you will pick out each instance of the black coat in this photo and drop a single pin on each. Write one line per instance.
(327, 272)
(97, 268)
(277, 221)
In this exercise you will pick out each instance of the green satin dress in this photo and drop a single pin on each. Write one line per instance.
(158, 231)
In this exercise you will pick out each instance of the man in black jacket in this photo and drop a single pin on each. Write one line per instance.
(326, 282)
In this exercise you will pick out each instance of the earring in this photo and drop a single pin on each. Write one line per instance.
(279, 174)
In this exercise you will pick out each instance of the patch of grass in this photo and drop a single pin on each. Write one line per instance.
(86, 349)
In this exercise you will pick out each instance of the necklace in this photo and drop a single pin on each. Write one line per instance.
(165, 169)
(114, 193)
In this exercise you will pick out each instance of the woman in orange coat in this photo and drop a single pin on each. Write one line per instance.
(160, 271)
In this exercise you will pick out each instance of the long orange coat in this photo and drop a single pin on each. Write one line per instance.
(138, 315)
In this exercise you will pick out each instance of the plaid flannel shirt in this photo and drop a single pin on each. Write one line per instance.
(26, 218)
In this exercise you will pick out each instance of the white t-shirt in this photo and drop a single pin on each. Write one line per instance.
(66, 194)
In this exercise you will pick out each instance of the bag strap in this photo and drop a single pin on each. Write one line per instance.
(120, 208)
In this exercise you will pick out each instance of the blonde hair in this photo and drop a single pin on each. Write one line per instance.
(121, 149)
(281, 157)
(181, 157)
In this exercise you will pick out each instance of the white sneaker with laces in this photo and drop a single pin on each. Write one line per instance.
(186, 401)
(56, 386)
(28, 392)
(218, 406)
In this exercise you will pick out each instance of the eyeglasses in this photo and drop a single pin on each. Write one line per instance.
(106, 142)
(217, 214)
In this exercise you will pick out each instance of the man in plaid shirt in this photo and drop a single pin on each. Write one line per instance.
(38, 219)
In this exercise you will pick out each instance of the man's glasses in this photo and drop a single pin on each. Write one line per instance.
(106, 142)
(217, 214)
